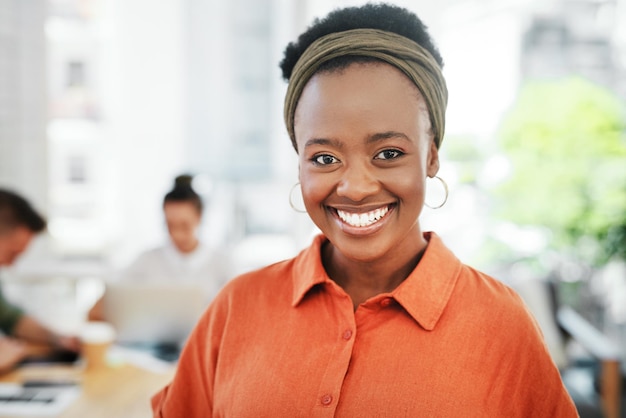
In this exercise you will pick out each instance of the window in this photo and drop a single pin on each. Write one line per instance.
(77, 169)
(75, 74)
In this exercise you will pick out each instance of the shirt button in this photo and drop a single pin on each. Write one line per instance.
(327, 399)
(347, 334)
(385, 302)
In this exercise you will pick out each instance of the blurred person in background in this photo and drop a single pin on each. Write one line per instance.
(376, 317)
(19, 223)
(184, 258)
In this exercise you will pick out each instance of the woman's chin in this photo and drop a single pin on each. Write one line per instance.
(186, 248)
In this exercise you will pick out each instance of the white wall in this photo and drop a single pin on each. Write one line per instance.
(23, 103)
(147, 114)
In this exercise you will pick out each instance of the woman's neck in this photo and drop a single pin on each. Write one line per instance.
(364, 280)
(190, 248)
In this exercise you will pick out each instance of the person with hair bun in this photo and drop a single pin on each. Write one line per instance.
(184, 258)
(376, 318)
(182, 208)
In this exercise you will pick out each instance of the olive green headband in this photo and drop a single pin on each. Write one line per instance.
(411, 58)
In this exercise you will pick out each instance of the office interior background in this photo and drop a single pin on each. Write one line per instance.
(104, 102)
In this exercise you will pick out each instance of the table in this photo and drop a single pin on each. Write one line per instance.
(121, 390)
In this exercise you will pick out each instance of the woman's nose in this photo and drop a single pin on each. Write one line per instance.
(357, 183)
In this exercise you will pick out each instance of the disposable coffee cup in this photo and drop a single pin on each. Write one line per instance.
(96, 339)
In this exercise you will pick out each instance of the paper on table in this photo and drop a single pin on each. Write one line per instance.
(16, 400)
(138, 358)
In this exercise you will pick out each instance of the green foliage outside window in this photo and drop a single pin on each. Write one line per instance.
(566, 144)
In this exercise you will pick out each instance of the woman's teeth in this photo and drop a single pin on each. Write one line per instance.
(363, 219)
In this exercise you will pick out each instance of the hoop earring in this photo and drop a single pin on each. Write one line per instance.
(291, 198)
(445, 199)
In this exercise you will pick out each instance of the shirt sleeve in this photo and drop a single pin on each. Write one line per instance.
(9, 315)
(529, 383)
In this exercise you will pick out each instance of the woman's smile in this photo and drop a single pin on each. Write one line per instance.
(361, 222)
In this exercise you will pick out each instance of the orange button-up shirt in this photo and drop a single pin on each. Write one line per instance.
(285, 341)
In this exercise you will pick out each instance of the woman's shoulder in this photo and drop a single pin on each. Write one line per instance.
(485, 282)
(490, 295)
(472, 290)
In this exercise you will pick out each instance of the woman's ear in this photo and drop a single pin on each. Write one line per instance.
(432, 162)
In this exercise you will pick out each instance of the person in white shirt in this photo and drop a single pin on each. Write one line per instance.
(184, 258)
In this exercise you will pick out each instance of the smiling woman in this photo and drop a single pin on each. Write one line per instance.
(376, 158)
(376, 317)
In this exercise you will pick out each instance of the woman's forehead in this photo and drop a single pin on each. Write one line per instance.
(375, 95)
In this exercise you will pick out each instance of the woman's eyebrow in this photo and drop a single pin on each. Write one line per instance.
(381, 136)
(386, 135)
(323, 141)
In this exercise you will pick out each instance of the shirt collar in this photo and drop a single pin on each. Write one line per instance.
(308, 269)
(424, 294)
(427, 290)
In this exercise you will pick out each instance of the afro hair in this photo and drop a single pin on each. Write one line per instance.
(371, 16)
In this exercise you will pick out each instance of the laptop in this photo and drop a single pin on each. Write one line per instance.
(158, 315)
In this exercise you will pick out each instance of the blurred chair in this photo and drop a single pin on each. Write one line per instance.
(593, 379)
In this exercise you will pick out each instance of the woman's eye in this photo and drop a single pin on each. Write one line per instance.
(388, 154)
(324, 159)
